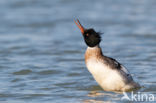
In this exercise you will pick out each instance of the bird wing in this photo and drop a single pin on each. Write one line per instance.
(114, 64)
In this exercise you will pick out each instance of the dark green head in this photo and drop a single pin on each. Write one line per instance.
(91, 37)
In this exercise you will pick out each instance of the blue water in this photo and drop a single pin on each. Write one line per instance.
(42, 50)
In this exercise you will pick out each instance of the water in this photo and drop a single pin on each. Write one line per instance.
(42, 50)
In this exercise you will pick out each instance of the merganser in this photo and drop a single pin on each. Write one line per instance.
(108, 72)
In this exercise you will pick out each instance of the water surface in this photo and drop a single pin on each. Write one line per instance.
(42, 50)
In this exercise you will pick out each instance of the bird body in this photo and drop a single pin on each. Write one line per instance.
(109, 74)
(109, 78)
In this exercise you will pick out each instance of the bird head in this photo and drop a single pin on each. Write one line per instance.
(91, 37)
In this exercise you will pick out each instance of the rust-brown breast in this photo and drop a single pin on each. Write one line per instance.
(93, 53)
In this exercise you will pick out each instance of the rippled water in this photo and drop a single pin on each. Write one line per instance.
(42, 50)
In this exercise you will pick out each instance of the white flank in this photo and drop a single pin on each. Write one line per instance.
(107, 78)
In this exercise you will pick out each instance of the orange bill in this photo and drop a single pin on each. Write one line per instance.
(79, 26)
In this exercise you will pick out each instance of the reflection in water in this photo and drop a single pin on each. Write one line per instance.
(95, 94)
(96, 101)
(100, 96)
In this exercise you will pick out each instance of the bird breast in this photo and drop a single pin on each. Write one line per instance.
(107, 78)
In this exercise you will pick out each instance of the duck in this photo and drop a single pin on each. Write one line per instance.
(108, 72)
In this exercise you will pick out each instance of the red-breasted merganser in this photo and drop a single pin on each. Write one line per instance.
(109, 73)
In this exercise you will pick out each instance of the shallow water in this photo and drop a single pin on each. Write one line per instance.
(42, 50)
